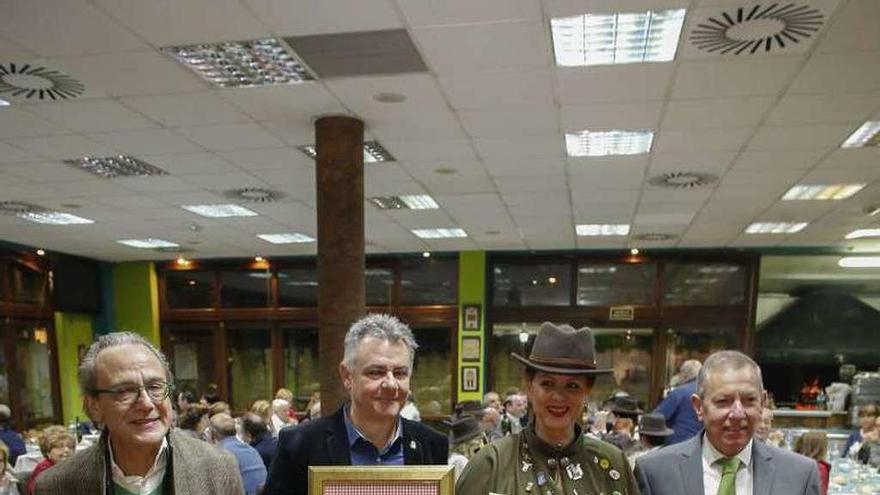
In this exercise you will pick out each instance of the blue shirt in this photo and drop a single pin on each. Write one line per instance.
(250, 464)
(15, 443)
(679, 413)
(364, 453)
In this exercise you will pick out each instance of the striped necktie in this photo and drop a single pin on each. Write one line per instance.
(729, 466)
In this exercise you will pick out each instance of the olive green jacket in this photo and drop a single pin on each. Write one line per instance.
(586, 467)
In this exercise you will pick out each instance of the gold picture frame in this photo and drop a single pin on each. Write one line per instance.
(378, 480)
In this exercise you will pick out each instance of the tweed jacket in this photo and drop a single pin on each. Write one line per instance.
(324, 442)
(678, 470)
(198, 468)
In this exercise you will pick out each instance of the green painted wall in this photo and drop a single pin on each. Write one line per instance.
(72, 331)
(136, 299)
(472, 292)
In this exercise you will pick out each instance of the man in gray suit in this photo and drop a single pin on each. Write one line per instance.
(725, 459)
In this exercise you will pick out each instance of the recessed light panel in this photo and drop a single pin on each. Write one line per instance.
(822, 191)
(775, 227)
(373, 152)
(116, 166)
(242, 64)
(53, 218)
(148, 243)
(3, 103)
(439, 233)
(220, 211)
(865, 136)
(286, 238)
(862, 233)
(602, 229)
(406, 202)
(621, 38)
(604, 143)
(859, 262)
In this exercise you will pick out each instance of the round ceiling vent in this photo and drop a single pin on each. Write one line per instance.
(683, 180)
(37, 83)
(19, 208)
(655, 237)
(254, 194)
(767, 27)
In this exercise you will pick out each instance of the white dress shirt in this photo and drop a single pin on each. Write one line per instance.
(142, 484)
(712, 472)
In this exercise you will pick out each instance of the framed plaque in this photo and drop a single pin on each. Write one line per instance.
(381, 480)
(470, 378)
(470, 349)
(470, 315)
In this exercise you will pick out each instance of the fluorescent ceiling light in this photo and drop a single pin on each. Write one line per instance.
(620, 38)
(116, 166)
(859, 262)
(775, 227)
(149, 243)
(601, 229)
(220, 211)
(3, 103)
(868, 134)
(406, 202)
(53, 218)
(861, 233)
(822, 191)
(604, 143)
(242, 64)
(374, 152)
(286, 238)
(439, 233)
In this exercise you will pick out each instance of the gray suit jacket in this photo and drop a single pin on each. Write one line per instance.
(678, 470)
(197, 468)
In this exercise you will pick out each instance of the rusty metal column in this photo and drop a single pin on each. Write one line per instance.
(340, 192)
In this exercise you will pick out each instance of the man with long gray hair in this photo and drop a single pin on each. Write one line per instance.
(368, 429)
(126, 385)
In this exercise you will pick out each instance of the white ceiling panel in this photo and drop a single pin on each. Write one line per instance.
(30, 192)
(527, 167)
(713, 113)
(222, 182)
(293, 132)
(857, 72)
(644, 115)
(513, 121)
(13, 51)
(731, 139)
(290, 101)
(146, 141)
(851, 158)
(655, 196)
(759, 161)
(231, 137)
(799, 137)
(854, 28)
(486, 47)
(190, 109)
(824, 109)
(837, 176)
(432, 151)
(92, 116)
(92, 187)
(602, 83)
(463, 182)
(10, 154)
(181, 22)
(726, 78)
(551, 184)
(190, 163)
(288, 159)
(16, 122)
(63, 147)
(58, 29)
(131, 74)
(498, 90)
(47, 172)
(305, 17)
(691, 161)
(530, 146)
(160, 184)
(432, 13)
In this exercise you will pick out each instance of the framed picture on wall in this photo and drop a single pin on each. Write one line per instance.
(470, 378)
(470, 314)
(470, 349)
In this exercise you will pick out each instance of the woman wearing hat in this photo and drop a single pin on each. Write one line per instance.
(466, 438)
(552, 456)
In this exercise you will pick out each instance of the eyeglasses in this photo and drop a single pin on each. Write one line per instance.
(127, 395)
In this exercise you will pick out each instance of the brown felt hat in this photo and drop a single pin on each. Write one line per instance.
(654, 424)
(463, 429)
(562, 350)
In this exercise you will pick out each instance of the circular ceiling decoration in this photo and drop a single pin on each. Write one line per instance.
(19, 208)
(683, 180)
(655, 237)
(767, 27)
(254, 194)
(37, 83)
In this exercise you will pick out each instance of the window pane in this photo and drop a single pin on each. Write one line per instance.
(34, 373)
(4, 374)
(703, 284)
(27, 286)
(507, 373)
(696, 343)
(192, 359)
(298, 287)
(250, 371)
(302, 372)
(379, 283)
(431, 382)
(604, 284)
(185, 289)
(518, 284)
(245, 289)
(425, 281)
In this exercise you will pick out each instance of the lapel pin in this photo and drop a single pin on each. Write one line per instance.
(412, 444)
(614, 474)
(574, 471)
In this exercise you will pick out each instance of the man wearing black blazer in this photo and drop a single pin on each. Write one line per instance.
(368, 429)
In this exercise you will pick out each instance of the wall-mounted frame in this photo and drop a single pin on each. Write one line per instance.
(376, 480)
(470, 316)
(470, 378)
(471, 351)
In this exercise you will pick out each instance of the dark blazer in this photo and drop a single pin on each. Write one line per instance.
(324, 442)
(678, 470)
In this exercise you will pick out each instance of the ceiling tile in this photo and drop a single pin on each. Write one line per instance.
(11, 154)
(552, 184)
(823, 109)
(221, 182)
(852, 158)
(799, 137)
(287, 159)
(716, 162)
(16, 122)
(854, 28)
(231, 137)
(759, 161)
(832, 73)
(190, 163)
(47, 172)
(63, 147)
(91, 115)
(731, 139)
(498, 90)
(713, 79)
(190, 109)
(715, 113)
(525, 167)
(434, 150)
(513, 121)
(290, 101)
(324, 16)
(644, 115)
(530, 146)
(146, 142)
(431, 13)
(601, 83)
(488, 47)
